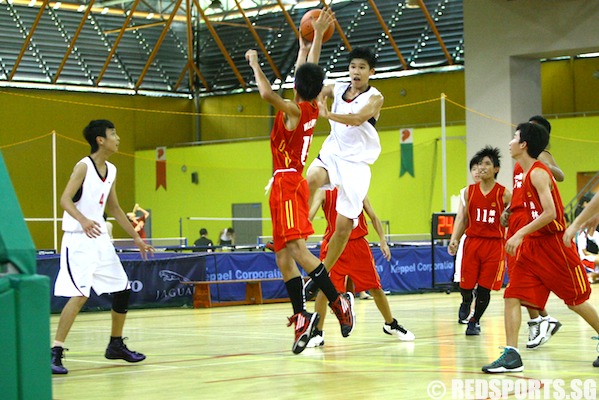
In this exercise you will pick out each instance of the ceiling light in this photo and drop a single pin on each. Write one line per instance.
(216, 5)
(412, 4)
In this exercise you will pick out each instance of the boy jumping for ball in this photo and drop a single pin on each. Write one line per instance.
(290, 140)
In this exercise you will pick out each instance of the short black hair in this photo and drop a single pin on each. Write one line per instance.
(474, 161)
(493, 154)
(539, 119)
(362, 53)
(94, 129)
(309, 79)
(203, 231)
(535, 136)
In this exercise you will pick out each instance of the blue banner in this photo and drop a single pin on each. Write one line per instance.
(157, 282)
(409, 269)
(154, 283)
(243, 265)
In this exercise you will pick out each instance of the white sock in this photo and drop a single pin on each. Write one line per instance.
(58, 344)
(510, 347)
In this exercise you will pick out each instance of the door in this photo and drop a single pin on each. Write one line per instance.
(247, 223)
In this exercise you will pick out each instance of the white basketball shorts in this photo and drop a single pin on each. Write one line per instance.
(352, 180)
(87, 263)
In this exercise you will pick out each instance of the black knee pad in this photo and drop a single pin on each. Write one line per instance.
(466, 295)
(483, 294)
(120, 301)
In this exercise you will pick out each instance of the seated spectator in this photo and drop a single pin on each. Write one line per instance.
(588, 250)
(203, 242)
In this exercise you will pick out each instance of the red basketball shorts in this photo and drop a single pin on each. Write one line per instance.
(357, 262)
(483, 263)
(543, 265)
(289, 208)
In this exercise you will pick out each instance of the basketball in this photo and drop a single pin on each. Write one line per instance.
(307, 29)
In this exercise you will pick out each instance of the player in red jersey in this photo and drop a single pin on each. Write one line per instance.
(289, 141)
(483, 262)
(356, 262)
(541, 326)
(544, 263)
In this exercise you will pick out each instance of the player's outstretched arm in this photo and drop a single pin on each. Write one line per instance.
(325, 18)
(266, 92)
(378, 227)
(587, 220)
(370, 110)
(546, 158)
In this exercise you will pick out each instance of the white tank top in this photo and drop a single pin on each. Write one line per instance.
(352, 143)
(91, 198)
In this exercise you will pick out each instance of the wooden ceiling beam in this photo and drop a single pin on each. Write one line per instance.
(259, 41)
(436, 32)
(88, 10)
(220, 45)
(388, 33)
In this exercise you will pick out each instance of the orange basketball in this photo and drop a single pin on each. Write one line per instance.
(307, 29)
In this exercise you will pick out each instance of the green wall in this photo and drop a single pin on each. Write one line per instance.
(29, 116)
(237, 172)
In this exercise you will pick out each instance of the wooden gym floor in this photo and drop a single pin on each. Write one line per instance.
(244, 352)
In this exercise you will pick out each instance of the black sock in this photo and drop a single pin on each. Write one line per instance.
(295, 290)
(116, 339)
(483, 297)
(320, 276)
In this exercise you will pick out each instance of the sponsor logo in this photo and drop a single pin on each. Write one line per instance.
(167, 275)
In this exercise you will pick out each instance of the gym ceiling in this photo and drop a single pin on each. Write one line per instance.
(197, 47)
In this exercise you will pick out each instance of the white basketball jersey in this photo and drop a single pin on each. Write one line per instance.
(352, 143)
(91, 198)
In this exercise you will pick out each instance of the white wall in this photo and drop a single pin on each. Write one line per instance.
(504, 41)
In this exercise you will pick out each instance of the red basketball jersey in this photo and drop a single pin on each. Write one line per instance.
(330, 213)
(290, 148)
(531, 208)
(484, 212)
(516, 220)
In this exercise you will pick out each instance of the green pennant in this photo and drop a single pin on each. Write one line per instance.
(407, 151)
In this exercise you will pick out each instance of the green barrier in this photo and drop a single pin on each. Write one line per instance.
(33, 336)
(8, 333)
(25, 371)
(16, 245)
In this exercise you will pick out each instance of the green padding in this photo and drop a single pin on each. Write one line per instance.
(16, 245)
(32, 295)
(8, 333)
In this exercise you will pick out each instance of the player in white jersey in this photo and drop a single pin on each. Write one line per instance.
(353, 144)
(87, 257)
